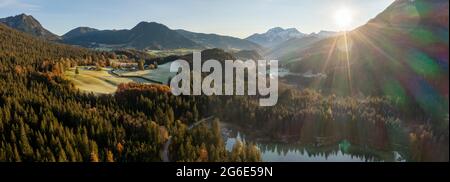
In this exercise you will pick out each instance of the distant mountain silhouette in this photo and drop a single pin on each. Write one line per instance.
(221, 42)
(145, 35)
(275, 36)
(80, 31)
(292, 43)
(28, 24)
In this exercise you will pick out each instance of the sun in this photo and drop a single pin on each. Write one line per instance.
(343, 17)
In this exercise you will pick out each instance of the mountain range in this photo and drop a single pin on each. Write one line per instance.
(78, 32)
(275, 43)
(145, 35)
(28, 24)
(401, 52)
(275, 36)
(282, 44)
(219, 41)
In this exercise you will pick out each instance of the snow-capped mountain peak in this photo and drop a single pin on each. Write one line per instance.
(275, 36)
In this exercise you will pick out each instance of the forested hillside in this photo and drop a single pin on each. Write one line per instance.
(44, 118)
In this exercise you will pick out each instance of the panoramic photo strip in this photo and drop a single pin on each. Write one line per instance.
(221, 88)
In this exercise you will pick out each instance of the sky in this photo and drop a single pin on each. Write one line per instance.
(239, 18)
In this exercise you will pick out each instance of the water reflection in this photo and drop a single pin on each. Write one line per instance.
(317, 141)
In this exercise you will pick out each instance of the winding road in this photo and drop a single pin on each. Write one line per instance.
(165, 152)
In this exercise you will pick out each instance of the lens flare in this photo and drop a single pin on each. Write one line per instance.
(343, 17)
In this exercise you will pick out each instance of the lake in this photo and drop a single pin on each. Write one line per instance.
(340, 143)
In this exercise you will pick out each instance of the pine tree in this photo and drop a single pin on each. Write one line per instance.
(24, 144)
(109, 156)
(62, 157)
(16, 154)
(141, 65)
(203, 153)
(93, 157)
(237, 152)
(71, 156)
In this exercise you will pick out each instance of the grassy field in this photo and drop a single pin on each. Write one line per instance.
(103, 82)
(165, 53)
(99, 82)
(162, 74)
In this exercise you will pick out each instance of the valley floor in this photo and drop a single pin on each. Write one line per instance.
(107, 80)
(99, 82)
